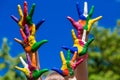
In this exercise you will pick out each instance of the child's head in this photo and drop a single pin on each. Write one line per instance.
(54, 76)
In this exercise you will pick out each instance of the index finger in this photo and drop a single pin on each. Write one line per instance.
(73, 35)
(62, 57)
(20, 11)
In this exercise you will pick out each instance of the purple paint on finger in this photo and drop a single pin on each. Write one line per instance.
(28, 59)
(26, 30)
(15, 18)
(29, 63)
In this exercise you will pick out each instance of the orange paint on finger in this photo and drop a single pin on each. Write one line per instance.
(33, 59)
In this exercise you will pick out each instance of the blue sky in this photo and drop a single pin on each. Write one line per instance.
(56, 29)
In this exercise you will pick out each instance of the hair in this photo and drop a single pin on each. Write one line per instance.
(54, 76)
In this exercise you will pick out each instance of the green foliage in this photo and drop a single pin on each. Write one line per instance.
(9, 63)
(104, 54)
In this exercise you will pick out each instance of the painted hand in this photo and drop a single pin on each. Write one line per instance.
(31, 72)
(68, 66)
(22, 21)
(66, 69)
(26, 18)
(80, 45)
(89, 21)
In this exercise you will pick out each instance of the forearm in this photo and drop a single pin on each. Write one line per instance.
(81, 72)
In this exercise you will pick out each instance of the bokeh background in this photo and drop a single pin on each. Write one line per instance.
(104, 52)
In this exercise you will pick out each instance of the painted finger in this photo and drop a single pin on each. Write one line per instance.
(62, 57)
(34, 60)
(78, 62)
(72, 49)
(19, 41)
(25, 13)
(68, 55)
(20, 11)
(89, 42)
(24, 70)
(27, 32)
(28, 59)
(84, 36)
(92, 21)
(23, 35)
(79, 34)
(71, 19)
(74, 56)
(32, 10)
(33, 30)
(85, 9)
(66, 47)
(78, 9)
(15, 18)
(96, 19)
(21, 69)
(73, 35)
(23, 62)
(39, 24)
(91, 12)
(37, 45)
(37, 73)
(25, 9)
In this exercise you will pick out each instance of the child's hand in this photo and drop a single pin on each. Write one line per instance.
(30, 71)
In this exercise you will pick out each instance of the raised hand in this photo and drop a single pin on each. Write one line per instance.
(80, 45)
(31, 72)
(22, 21)
(85, 21)
(68, 65)
(35, 72)
(82, 17)
(66, 69)
(89, 21)
(26, 18)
